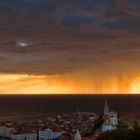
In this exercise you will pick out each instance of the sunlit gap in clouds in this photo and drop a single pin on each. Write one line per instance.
(67, 84)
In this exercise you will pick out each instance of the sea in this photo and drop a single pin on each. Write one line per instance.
(37, 107)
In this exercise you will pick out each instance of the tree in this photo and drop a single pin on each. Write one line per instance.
(122, 134)
(99, 122)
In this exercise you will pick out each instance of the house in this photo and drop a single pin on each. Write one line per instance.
(49, 134)
(5, 130)
(23, 136)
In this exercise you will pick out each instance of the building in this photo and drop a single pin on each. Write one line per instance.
(5, 131)
(77, 136)
(23, 136)
(66, 136)
(106, 108)
(49, 134)
(110, 119)
(107, 126)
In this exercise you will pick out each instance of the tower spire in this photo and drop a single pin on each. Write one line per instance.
(77, 136)
(106, 108)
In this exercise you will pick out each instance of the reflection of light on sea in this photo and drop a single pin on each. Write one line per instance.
(24, 84)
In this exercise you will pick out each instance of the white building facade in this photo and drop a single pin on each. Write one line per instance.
(49, 134)
(77, 136)
(5, 131)
(110, 119)
(26, 136)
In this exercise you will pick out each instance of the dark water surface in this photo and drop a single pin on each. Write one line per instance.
(126, 105)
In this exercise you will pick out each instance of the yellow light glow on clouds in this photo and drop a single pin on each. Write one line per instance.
(66, 84)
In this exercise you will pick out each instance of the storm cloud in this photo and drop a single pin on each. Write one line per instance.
(68, 35)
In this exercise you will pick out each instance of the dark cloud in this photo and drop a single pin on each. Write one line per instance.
(32, 14)
(67, 35)
(128, 24)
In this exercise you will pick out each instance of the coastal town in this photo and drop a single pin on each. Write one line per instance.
(73, 126)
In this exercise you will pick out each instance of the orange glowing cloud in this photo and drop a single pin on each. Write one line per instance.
(77, 83)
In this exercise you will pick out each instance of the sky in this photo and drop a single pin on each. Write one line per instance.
(69, 46)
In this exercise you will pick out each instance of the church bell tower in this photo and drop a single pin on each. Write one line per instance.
(106, 108)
